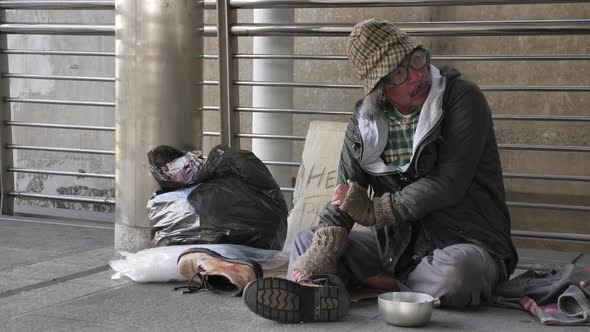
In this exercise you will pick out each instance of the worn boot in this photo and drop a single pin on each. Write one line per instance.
(319, 298)
(207, 269)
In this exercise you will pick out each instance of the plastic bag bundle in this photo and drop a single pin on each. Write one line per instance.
(234, 199)
(159, 264)
(238, 201)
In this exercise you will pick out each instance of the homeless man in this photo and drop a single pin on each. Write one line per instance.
(420, 166)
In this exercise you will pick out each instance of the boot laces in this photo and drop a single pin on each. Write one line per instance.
(197, 286)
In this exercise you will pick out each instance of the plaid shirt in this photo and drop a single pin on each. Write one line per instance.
(398, 150)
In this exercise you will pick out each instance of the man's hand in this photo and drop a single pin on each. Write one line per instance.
(365, 211)
(339, 194)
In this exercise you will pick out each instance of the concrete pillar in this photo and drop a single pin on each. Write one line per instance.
(273, 97)
(157, 66)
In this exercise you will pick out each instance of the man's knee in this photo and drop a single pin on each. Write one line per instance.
(465, 281)
(457, 285)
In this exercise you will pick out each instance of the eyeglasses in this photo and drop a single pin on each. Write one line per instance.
(419, 59)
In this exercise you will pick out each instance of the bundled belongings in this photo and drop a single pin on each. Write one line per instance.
(233, 199)
(557, 298)
(207, 269)
(172, 168)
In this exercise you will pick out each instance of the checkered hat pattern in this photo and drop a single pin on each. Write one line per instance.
(375, 48)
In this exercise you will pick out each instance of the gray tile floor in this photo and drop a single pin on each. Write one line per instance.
(53, 277)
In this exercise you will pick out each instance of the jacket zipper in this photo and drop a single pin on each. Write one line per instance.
(426, 141)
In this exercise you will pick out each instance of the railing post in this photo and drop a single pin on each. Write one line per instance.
(228, 74)
(157, 43)
(7, 183)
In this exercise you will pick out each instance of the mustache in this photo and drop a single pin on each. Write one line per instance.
(422, 85)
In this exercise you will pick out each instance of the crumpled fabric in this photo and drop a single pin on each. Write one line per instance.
(174, 169)
(558, 298)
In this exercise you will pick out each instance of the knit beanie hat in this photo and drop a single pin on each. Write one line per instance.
(376, 47)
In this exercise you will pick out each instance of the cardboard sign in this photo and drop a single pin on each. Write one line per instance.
(317, 176)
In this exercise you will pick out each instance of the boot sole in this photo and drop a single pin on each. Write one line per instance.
(285, 301)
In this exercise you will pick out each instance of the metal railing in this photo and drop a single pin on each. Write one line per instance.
(227, 31)
(233, 29)
(66, 30)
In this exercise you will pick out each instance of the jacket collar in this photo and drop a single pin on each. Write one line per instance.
(374, 128)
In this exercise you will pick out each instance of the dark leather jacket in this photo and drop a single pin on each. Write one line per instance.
(452, 191)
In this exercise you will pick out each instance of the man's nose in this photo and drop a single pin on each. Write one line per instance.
(415, 74)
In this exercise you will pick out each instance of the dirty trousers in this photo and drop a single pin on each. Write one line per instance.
(461, 275)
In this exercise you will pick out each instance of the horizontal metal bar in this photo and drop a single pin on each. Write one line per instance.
(59, 77)
(208, 30)
(209, 83)
(56, 126)
(61, 173)
(209, 108)
(52, 149)
(527, 176)
(491, 88)
(282, 163)
(289, 190)
(268, 136)
(263, 136)
(545, 206)
(564, 88)
(455, 28)
(210, 4)
(532, 57)
(106, 200)
(58, 29)
(287, 111)
(551, 236)
(490, 57)
(58, 102)
(48, 4)
(550, 148)
(558, 118)
(75, 53)
(289, 57)
(298, 85)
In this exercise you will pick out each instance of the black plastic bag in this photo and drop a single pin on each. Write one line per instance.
(237, 201)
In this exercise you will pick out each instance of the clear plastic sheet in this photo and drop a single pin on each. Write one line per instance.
(159, 264)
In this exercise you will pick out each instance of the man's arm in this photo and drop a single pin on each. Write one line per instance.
(348, 168)
(466, 128)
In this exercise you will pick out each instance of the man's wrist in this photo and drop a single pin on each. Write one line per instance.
(383, 208)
